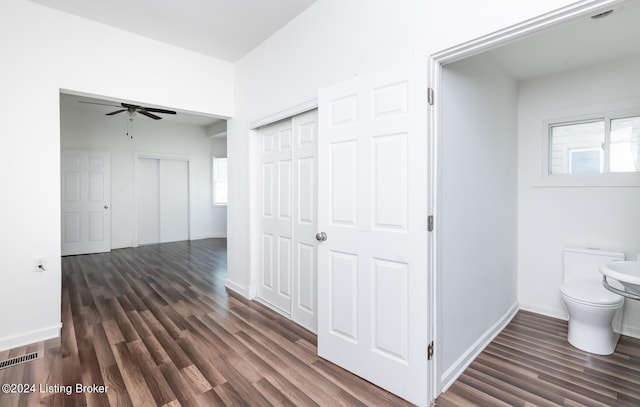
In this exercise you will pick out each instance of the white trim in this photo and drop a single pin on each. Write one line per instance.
(626, 330)
(209, 236)
(274, 308)
(546, 311)
(285, 114)
(243, 290)
(215, 157)
(631, 331)
(587, 114)
(435, 309)
(30, 337)
(459, 366)
(254, 212)
(519, 31)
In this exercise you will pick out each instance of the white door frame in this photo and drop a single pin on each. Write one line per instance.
(136, 172)
(436, 61)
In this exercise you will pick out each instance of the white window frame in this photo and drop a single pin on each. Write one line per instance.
(548, 147)
(214, 181)
(604, 179)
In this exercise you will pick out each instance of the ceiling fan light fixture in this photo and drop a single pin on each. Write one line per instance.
(132, 110)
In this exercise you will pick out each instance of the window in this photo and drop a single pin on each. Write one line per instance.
(596, 146)
(625, 141)
(219, 181)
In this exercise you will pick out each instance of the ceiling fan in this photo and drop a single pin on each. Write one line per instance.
(133, 110)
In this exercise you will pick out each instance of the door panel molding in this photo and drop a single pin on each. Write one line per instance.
(85, 201)
(286, 273)
(373, 204)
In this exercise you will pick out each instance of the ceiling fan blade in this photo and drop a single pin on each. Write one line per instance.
(153, 109)
(94, 103)
(116, 112)
(153, 116)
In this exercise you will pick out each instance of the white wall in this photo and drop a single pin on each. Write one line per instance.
(218, 213)
(333, 41)
(43, 51)
(554, 215)
(83, 127)
(478, 208)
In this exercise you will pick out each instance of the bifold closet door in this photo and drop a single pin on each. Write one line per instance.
(287, 275)
(162, 200)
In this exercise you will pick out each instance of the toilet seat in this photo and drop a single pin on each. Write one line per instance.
(590, 293)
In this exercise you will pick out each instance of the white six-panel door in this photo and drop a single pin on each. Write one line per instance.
(85, 193)
(276, 247)
(304, 302)
(373, 206)
(287, 273)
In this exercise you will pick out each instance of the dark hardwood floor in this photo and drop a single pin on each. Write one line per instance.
(531, 363)
(156, 325)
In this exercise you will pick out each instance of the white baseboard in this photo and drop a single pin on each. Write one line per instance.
(452, 374)
(633, 332)
(30, 337)
(272, 307)
(243, 290)
(209, 236)
(550, 312)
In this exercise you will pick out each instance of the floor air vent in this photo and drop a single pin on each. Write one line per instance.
(20, 359)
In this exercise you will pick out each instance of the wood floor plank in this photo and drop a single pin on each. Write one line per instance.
(531, 362)
(156, 325)
(117, 393)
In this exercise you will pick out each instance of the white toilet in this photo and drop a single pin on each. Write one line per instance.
(593, 310)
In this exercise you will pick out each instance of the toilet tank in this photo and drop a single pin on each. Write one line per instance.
(584, 264)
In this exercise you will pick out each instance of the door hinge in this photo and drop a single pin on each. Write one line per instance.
(430, 96)
(430, 223)
(430, 351)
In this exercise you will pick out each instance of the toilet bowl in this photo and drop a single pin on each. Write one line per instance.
(592, 308)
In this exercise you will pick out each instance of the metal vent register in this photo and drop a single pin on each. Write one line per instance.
(19, 359)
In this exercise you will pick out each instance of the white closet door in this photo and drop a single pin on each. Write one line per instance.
(373, 205)
(162, 200)
(304, 300)
(85, 193)
(276, 215)
(174, 200)
(148, 188)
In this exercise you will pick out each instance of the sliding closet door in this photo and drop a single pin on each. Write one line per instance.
(287, 275)
(162, 200)
(174, 200)
(148, 189)
(304, 303)
(276, 213)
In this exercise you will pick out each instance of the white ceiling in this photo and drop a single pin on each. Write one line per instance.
(578, 43)
(225, 29)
